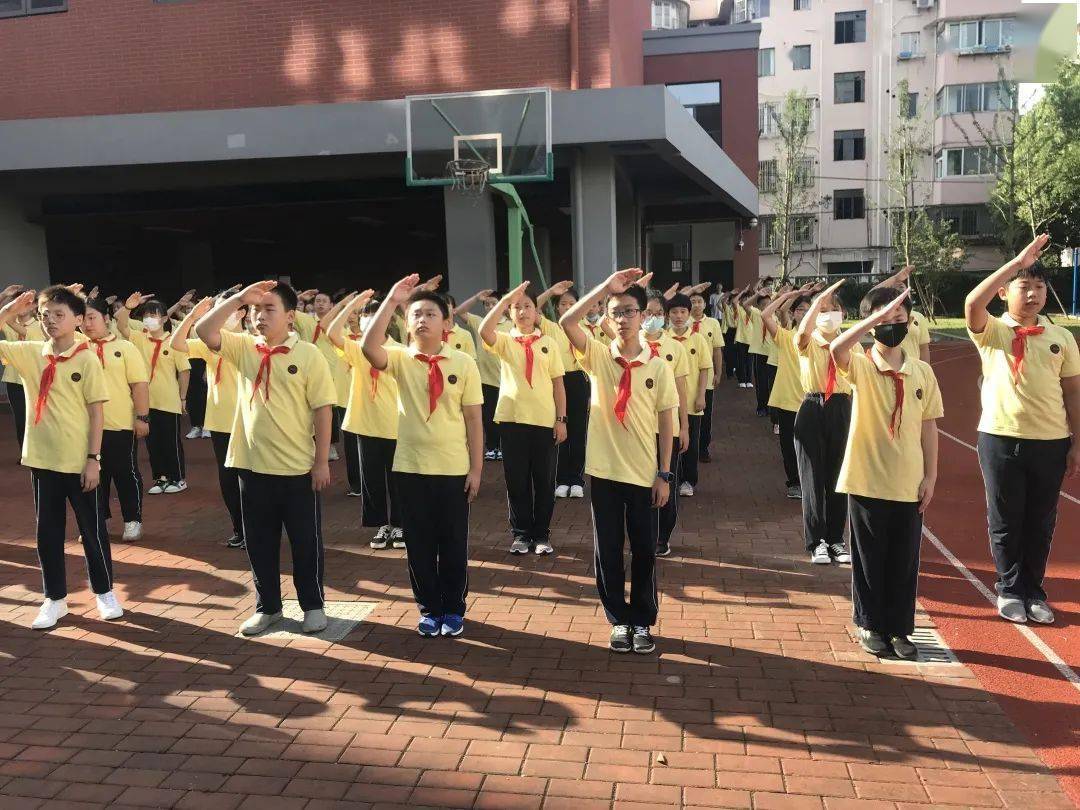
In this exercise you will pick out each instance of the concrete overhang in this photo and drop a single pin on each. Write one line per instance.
(647, 115)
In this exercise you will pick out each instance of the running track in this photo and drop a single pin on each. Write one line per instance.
(1032, 670)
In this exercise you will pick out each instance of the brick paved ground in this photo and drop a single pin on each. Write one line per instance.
(757, 698)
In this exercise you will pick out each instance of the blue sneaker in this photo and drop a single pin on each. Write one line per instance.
(429, 626)
(453, 625)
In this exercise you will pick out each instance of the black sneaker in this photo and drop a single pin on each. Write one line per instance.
(620, 639)
(903, 648)
(663, 550)
(236, 541)
(872, 642)
(643, 640)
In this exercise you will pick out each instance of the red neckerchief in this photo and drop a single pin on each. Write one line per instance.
(898, 406)
(622, 399)
(680, 338)
(1019, 349)
(157, 353)
(527, 342)
(695, 328)
(318, 331)
(446, 335)
(264, 367)
(435, 379)
(374, 374)
(830, 378)
(48, 374)
(99, 344)
(354, 335)
(217, 372)
(654, 349)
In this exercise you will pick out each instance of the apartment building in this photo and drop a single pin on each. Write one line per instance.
(849, 57)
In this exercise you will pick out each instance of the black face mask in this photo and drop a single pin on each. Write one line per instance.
(891, 334)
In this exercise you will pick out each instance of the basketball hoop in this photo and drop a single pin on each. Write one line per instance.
(469, 177)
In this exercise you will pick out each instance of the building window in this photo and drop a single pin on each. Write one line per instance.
(849, 144)
(766, 172)
(702, 100)
(911, 109)
(747, 10)
(978, 97)
(849, 88)
(767, 122)
(670, 14)
(850, 27)
(766, 62)
(802, 5)
(767, 233)
(802, 229)
(849, 204)
(909, 45)
(968, 161)
(979, 36)
(800, 57)
(22, 8)
(967, 220)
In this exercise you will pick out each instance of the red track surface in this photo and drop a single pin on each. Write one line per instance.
(1036, 695)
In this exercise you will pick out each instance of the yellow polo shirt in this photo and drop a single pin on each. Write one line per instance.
(373, 400)
(742, 325)
(10, 374)
(520, 402)
(674, 355)
(698, 357)
(61, 439)
(625, 452)
(433, 443)
(711, 330)
(596, 332)
(918, 334)
(487, 362)
(306, 326)
(566, 348)
(787, 391)
(275, 435)
(221, 394)
(754, 332)
(164, 385)
(814, 367)
(123, 366)
(461, 340)
(1033, 407)
(877, 465)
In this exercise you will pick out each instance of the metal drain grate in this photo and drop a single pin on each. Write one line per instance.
(341, 619)
(931, 646)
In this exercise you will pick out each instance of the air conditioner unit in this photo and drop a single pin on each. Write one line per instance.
(924, 3)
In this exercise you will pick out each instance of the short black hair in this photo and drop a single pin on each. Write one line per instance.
(288, 296)
(450, 300)
(1037, 272)
(572, 291)
(881, 297)
(59, 294)
(637, 292)
(655, 295)
(99, 304)
(676, 301)
(427, 295)
(371, 307)
(530, 296)
(799, 301)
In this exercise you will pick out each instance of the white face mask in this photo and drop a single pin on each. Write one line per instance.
(652, 324)
(593, 317)
(365, 322)
(829, 322)
(153, 324)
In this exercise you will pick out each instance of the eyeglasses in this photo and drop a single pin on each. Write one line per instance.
(629, 312)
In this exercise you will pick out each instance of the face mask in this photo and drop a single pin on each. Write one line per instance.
(593, 317)
(653, 323)
(829, 322)
(153, 324)
(890, 334)
(365, 322)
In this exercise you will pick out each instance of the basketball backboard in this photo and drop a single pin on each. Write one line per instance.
(510, 130)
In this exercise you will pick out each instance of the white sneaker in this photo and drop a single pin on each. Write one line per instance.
(1012, 609)
(333, 454)
(158, 487)
(820, 555)
(1039, 611)
(543, 547)
(52, 611)
(749, 385)
(519, 547)
(381, 538)
(561, 491)
(686, 490)
(194, 433)
(839, 553)
(259, 623)
(108, 606)
(576, 491)
(314, 621)
(205, 434)
(172, 487)
(397, 538)
(776, 430)
(132, 531)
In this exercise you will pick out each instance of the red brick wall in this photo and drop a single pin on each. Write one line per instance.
(127, 56)
(627, 24)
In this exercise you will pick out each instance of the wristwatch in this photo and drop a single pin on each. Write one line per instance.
(145, 419)
(666, 476)
(94, 457)
(560, 419)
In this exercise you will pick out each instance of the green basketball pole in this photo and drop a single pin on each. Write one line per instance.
(517, 225)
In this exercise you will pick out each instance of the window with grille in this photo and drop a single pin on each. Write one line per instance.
(849, 204)
(22, 8)
(802, 5)
(850, 27)
(800, 57)
(747, 10)
(909, 44)
(670, 14)
(967, 220)
(910, 109)
(849, 144)
(767, 233)
(973, 36)
(768, 124)
(766, 170)
(849, 88)
(802, 229)
(766, 62)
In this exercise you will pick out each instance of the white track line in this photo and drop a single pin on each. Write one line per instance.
(1062, 493)
(1066, 671)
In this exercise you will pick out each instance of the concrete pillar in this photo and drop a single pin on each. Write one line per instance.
(593, 213)
(24, 258)
(626, 224)
(470, 243)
